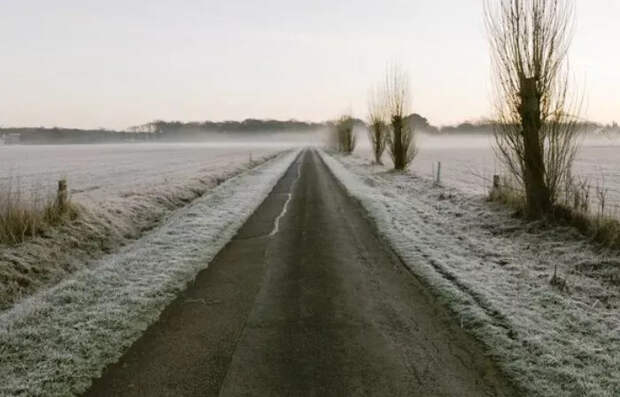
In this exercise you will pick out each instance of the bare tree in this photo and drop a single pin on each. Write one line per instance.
(345, 134)
(377, 126)
(536, 137)
(401, 141)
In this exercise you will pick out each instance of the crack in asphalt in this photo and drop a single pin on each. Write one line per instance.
(276, 224)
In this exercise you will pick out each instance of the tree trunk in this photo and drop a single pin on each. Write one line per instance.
(536, 190)
(378, 143)
(399, 158)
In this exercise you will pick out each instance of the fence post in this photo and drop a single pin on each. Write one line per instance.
(495, 182)
(438, 179)
(62, 195)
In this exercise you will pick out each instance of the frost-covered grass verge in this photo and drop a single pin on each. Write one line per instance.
(56, 341)
(107, 222)
(494, 272)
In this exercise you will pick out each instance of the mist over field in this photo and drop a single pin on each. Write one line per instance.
(468, 161)
(97, 170)
(168, 131)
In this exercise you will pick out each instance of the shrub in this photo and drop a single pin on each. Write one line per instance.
(345, 134)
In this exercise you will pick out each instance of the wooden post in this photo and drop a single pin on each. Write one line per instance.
(62, 195)
(495, 182)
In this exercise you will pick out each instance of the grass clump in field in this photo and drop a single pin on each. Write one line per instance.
(24, 216)
(576, 207)
(505, 190)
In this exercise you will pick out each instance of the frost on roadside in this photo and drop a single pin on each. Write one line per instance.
(117, 204)
(54, 342)
(493, 271)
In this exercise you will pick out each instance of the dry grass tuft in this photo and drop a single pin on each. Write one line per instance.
(24, 216)
(574, 209)
(509, 194)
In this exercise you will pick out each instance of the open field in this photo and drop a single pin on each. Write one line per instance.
(121, 192)
(468, 162)
(100, 172)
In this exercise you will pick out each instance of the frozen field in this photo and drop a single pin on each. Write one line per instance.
(125, 189)
(96, 172)
(468, 163)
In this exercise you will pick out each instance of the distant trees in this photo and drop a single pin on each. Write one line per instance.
(247, 125)
(345, 136)
(421, 124)
(389, 125)
(476, 127)
(377, 125)
(613, 127)
(401, 141)
(535, 133)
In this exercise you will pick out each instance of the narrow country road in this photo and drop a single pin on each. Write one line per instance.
(304, 301)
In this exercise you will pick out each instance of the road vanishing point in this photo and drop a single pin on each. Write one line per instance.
(306, 300)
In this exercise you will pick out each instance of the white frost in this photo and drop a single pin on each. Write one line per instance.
(123, 191)
(493, 271)
(53, 343)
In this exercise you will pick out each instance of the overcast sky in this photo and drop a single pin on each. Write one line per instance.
(117, 63)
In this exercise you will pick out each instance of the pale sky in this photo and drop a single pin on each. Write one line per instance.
(117, 63)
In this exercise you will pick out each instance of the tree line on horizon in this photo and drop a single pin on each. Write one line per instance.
(180, 130)
(415, 120)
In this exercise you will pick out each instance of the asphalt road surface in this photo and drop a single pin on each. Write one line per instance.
(305, 301)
